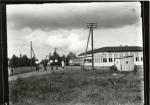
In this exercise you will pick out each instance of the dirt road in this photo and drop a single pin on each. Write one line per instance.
(35, 73)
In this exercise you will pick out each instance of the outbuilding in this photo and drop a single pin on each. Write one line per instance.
(125, 63)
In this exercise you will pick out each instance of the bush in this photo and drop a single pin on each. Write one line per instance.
(113, 67)
(135, 68)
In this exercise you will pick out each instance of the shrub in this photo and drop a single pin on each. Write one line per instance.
(113, 67)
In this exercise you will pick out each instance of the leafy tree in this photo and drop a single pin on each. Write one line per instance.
(69, 56)
(63, 58)
(13, 61)
(21, 61)
(25, 61)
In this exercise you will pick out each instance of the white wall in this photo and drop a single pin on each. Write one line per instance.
(117, 64)
(98, 58)
(127, 66)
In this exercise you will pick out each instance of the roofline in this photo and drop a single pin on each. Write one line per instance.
(125, 57)
(112, 51)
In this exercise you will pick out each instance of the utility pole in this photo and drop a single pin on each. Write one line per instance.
(86, 48)
(31, 53)
(91, 26)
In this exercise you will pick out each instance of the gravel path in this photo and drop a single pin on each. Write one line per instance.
(35, 73)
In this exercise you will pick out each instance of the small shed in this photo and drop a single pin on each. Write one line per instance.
(125, 63)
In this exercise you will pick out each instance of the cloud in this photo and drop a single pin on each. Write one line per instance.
(73, 15)
(63, 26)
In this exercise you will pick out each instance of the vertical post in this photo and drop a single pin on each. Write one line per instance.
(4, 93)
(31, 53)
(92, 46)
(86, 48)
(91, 26)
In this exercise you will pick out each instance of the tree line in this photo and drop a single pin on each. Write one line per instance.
(23, 60)
(56, 56)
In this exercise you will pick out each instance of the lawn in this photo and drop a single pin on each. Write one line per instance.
(78, 87)
(22, 70)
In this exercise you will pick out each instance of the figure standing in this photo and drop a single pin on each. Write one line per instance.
(45, 65)
(51, 64)
(37, 66)
(56, 61)
(62, 64)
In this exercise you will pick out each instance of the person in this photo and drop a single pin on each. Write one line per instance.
(51, 64)
(37, 66)
(56, 61)
(62, 64)
(9, 71)
(45, 65)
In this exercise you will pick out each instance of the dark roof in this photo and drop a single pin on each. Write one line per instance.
(115, 49)
(125, 57)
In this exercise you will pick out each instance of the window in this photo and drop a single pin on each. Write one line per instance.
(126, 62)
(104, 60)
(126, 54)
(141, 58)
(110, 55)
(90, 60)
(137, 58)
(132, 53)
(110, 59)
(116, 55)
(121, 55)
(98, 59)
(95, 60)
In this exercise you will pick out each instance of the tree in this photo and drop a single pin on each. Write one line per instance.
(21, 61)
(63, 58)
(69, 56)
(25, 61)
(13, 61)
(55, 56)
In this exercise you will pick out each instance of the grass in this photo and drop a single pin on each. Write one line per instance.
(78, 87)
(21, 70)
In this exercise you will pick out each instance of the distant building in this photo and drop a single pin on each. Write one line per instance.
(76, 61)
(106, 56)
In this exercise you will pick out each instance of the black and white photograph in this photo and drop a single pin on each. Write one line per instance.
(88, 53)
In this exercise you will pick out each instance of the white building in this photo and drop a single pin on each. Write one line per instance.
(106, 56)
(125, 63)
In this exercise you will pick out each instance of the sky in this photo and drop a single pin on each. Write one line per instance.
(63, 26)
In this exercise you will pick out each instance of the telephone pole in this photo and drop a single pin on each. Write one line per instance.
(31, 53)
(91, 26)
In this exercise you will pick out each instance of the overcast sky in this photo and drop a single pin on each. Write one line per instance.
(63, 26)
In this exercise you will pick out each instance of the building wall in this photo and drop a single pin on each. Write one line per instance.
(125, 64)
(117, 64)
(108, 59)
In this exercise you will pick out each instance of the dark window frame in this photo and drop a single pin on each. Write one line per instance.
(105, 60)
(110, 59)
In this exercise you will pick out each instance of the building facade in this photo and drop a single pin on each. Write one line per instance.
(125, 63)
(106, 56)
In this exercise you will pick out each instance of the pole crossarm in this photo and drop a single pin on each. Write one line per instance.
(91, 25)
